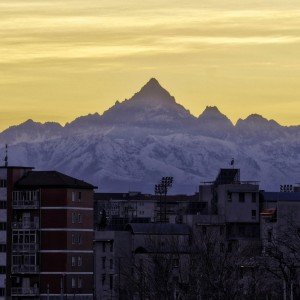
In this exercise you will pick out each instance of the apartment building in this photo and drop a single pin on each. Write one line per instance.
(233, 204)
(49, 236)
(126, 258)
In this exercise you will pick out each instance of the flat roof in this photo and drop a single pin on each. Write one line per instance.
(281, 196)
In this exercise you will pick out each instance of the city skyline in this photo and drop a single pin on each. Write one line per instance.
(84, 56)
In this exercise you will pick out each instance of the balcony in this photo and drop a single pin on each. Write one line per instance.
(25, 225)
(25, 269)
(22, 291)
(25, 247)
(25, 200)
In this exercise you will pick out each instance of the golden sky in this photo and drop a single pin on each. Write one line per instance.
(64, 58)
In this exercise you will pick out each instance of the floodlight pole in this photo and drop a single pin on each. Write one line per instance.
(162, 189)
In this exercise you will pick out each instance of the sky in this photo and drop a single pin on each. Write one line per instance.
(60, 59)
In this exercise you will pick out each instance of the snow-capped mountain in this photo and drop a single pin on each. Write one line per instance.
(135, 142)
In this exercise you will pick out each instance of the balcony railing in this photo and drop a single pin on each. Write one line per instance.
(29, 269)
(25, 225)
(22, 291)
(26, 199)
(25, 247)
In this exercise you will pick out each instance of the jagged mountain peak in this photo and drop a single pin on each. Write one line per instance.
(213, 114)
(152, 93)
(256, 120)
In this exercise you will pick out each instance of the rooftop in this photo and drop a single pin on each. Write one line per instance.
(51, 179)
(16, 167)
(280, 196)
(159, 228)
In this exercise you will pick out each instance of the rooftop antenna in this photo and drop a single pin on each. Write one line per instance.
(6, 156)
(232, 163)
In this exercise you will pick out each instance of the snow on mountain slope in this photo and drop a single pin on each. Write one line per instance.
(30, 131)
(136, 142)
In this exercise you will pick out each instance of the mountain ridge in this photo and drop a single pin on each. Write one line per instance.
(150, 135)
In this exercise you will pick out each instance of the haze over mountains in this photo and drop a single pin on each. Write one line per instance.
(135, 142)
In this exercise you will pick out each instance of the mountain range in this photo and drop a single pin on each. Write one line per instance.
(137, 141)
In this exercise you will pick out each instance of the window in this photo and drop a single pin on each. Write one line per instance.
(79, 239)
(79, 282)
(103, 278)
(2, 204)
(204, 229)
(73, 261)
(3, 183)
(230, 246)
(254, 197)
(222, 247)
(79, 218)
(175, 263)
(103, 262)
(2, 248)
(111, 281)
(2, 269)
(103, 246)
(2, 292)
(253, 212)
(73, 196)
(242, 197)
(79, 261)
(73, 217)
(111, 247)
(111, 263)
(269, 235)
(241, 230)
(2, 226)
(221, 230)
(229, 196)
(79, 196)
(73, 282)
(73, 239)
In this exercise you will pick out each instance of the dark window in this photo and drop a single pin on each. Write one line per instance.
(254, 197)
(103, 262)
(241, 230)
(3, 183)
(253, 213)
(242, 197)
(111, 247)
(2, 248)
(79, 196)
(111, 281)
(2, 269)
(221, 230)
(175, 262)
(2, 204)
(2, 226)
(230, 247)
(103, 278)
(103, 246)
(111, 263)
(222, 247)
(229, 196)
(204, 229)
(2, 292)
(270, 236)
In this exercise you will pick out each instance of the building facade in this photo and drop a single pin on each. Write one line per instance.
(49, 236)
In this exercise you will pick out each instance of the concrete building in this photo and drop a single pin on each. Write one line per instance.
(124, 259)
(232, 203)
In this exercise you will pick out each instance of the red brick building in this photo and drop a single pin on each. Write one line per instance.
(51, 237)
